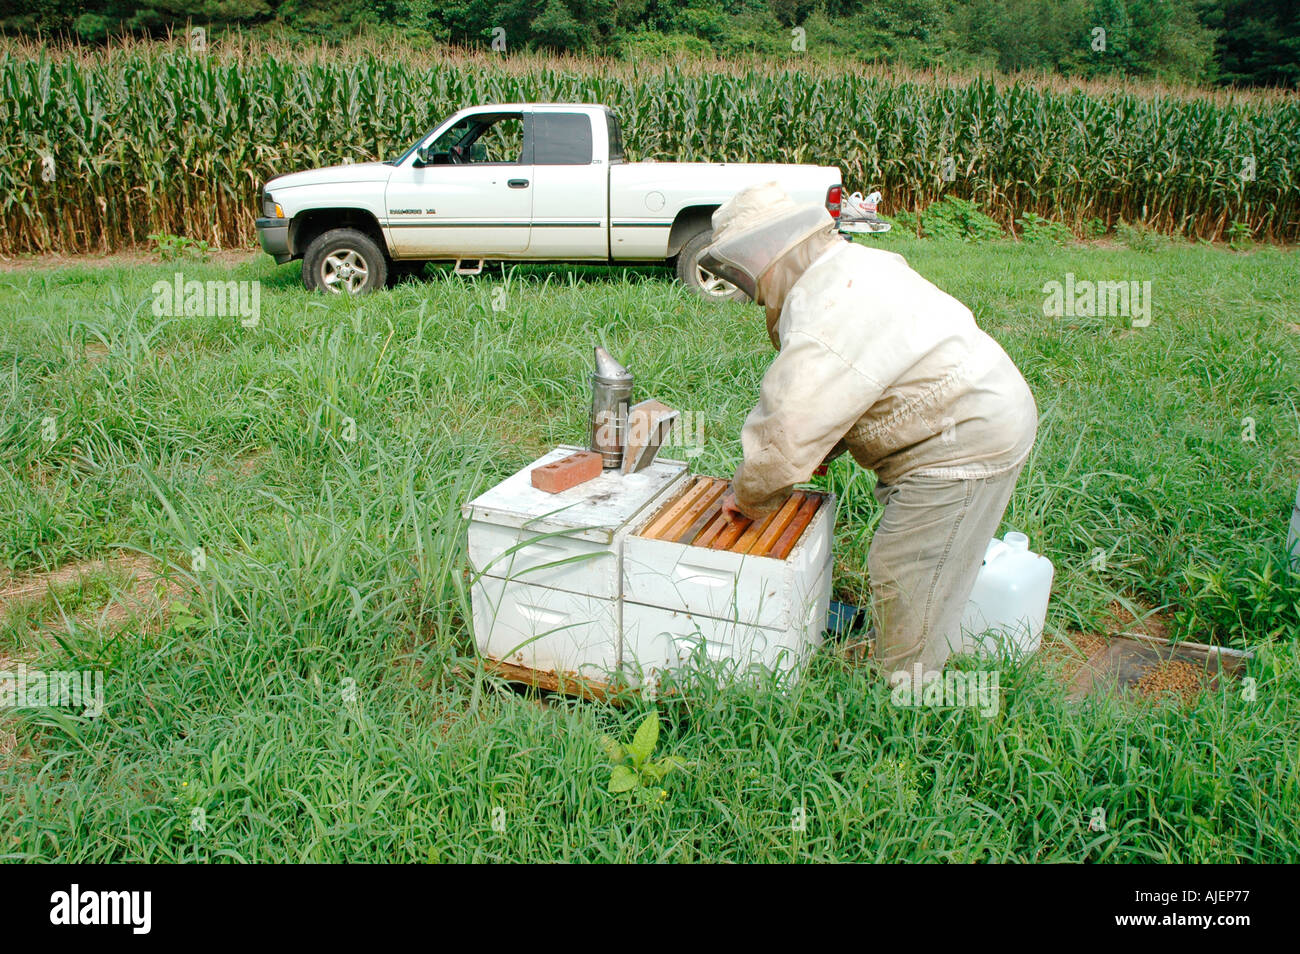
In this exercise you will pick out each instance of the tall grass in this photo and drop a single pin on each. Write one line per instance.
(323, 705)
(155, 139)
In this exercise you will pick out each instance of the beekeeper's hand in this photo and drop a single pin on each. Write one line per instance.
(730, 509)
(824, 467)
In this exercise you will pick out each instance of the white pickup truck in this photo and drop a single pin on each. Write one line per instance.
(519, 183)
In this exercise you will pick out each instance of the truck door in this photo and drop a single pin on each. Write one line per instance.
(571, 179)
(471, 196)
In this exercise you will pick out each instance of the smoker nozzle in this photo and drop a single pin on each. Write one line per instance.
(608, 370)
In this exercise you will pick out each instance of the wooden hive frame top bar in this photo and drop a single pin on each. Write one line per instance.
(695, 518)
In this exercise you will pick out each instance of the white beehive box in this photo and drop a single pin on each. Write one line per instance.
(547, 591)
(682, 602)
(565, 589)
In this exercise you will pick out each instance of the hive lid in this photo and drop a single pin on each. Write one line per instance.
(594, 510)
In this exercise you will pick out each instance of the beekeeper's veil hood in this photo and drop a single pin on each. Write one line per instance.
(754, 229)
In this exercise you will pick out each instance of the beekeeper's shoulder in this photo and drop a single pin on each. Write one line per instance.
(875, 258)
(825, 301)
(844, 275)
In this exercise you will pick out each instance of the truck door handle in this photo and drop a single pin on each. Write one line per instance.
(518, 183)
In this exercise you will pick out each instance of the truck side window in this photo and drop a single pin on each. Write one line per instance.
(615, 136)
(442, 147)
(481, 139)
(561, 139)
(503, 141)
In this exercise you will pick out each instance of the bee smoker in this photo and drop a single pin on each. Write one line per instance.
(611, 391)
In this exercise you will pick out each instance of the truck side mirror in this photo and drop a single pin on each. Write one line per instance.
(422, 156)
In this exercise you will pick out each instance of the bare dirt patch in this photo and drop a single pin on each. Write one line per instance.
(143, 594)
(1068, 655)
(246, 464)
(41, 475)
(1118, 621)
(435, 711)
(136, 593)
(1122, 621)
(250, 462)
(11, 752)
(132, 258)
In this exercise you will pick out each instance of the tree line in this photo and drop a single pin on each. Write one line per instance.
(1244, 42)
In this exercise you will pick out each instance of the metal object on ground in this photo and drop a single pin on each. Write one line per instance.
(864, 228)
(611, 391)
(844, 619)
(648, 424)
(1125, 658)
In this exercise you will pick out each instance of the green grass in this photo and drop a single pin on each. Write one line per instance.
(319, 701)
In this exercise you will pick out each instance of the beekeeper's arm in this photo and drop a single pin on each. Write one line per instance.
(809, 398)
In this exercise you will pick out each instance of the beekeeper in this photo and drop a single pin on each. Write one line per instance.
(875, 360)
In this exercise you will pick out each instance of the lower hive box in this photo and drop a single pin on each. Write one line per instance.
(748, 594)
(546, 589)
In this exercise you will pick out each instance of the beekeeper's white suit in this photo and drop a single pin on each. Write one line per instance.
(876, 360)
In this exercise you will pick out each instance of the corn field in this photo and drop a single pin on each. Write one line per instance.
(97, 152)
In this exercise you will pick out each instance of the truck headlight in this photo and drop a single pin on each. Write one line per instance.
(270, 208)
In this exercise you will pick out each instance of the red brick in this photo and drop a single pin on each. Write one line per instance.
(572, 470)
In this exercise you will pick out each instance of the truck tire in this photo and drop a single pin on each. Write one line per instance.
(705, 284)
(344, 260)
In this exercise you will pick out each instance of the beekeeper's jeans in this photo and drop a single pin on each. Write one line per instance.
(924, 557)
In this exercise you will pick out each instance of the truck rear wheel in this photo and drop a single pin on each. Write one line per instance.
(344, 261)
(701, 281)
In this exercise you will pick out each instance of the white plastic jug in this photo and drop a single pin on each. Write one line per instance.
(1008, 605)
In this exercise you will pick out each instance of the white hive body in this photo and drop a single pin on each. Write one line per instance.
(564, 586)
(751, 611)
(547, 565)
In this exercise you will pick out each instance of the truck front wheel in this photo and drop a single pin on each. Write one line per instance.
(701, 281)
(344, 261)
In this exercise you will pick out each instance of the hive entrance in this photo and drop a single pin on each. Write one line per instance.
(695, 518)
